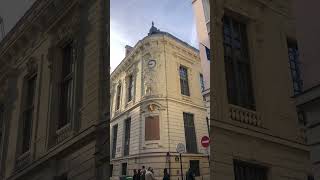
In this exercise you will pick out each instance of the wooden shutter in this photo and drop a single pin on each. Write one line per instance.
(152, 128)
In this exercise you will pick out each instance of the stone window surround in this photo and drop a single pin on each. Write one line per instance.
(29, 70)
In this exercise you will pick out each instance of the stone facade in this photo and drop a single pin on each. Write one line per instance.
(308, 101)
(157, 93)
(269, 135)
(32, 49)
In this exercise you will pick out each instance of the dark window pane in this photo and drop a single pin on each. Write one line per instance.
(190, 133)
(208, 53)
(194, 166)
(248, 171)
(184, 81)
(202, 83)
(293, 55)
(114, 140)
(130, 88)
(237, 64)
(124, 168)
(127, 136)
(111, 170)
(118, 97)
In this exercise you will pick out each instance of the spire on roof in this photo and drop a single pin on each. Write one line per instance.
(153, 29)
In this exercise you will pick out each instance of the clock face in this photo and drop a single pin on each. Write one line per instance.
(152, 63)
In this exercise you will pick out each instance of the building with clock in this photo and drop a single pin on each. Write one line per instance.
(156, 103)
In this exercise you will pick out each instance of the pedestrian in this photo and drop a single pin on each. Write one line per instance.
(190, 175)
(139, 174)
(143, 173)
(135, 175)
(149, 174)
(166, 174)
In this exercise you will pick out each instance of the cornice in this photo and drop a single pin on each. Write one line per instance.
(35, 22)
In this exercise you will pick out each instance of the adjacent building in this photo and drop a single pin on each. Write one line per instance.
(156, 103)
(202, 16)
(254, 124)
(307, 62)
(52, 96)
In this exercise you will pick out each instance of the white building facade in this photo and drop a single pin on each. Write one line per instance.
(156, 103)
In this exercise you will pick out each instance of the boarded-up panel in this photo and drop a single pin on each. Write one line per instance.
(152, 129)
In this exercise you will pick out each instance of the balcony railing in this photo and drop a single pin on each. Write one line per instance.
(244, 115)
(23, 160)
(63, 133)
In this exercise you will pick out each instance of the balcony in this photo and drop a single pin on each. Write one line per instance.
(22, 161)
(63, 133)
(244, 115)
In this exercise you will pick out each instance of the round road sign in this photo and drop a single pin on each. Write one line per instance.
(181, 148)
(205, 141)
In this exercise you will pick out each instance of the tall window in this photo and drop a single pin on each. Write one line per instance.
(127, 127)
(237, 64)
(66, 85)
(244, 171)
(194, 166)
(202, 83)
(294, 63)
(190, 133)
(152, 129)
(114, 140)
(118, 97)
(27, 113)
(184, 83)
(111, 170)
(130, 88)
(124, 168)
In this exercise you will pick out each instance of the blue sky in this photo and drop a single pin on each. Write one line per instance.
(130, 21)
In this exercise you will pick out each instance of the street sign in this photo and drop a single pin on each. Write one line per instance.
(205, 141)
(181, 148)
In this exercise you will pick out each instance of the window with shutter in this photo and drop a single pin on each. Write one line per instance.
(152, 129)
(127, 127)
(190, 133)
(114, 140)
(244, 171)
(237, 64)
(184, 82)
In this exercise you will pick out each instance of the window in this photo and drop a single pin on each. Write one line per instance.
(114, 140)
(118, 97)
(237, 64)
(294, 64)
(127, 127)
(152, 130)
(194, 166)
(244, 171)
(27, 112)
(130, 88)
(202, 83)
(190, 133)
(184, 81)
(66, 85)
(124, 168)
(207, 53)
(111, 170)
(310, 177)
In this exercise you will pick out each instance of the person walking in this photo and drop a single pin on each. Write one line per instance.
(149, 174)
(135, 175)
(139, 174)
(190, 175)
(166, 174)
(143, 173)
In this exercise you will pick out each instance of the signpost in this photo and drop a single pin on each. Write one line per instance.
(205, 142)
(181, 149)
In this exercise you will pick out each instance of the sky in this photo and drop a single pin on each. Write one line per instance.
(130, 21)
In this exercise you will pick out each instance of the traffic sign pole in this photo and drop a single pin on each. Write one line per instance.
(181, 167)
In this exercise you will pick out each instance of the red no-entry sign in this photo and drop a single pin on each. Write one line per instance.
(205, 141)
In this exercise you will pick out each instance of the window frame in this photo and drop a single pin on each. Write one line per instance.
(251, 166)
(294, 66)
(184, 81)
(118, 97)
(124, 165)
(238, 71)
(127, 132)
(196, 172)
(194, 147)
(114, 140)
(202, 83)
(130, 90)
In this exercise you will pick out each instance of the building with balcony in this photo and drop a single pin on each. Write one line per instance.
(52, 99)
(254, 124)
(202, 17)
(156, 103)
(307, 58)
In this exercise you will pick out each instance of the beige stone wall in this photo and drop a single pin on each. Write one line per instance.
(166, 96)
(32, 41)
(273, 137)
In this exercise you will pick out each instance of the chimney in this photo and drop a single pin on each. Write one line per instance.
(128, 49)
